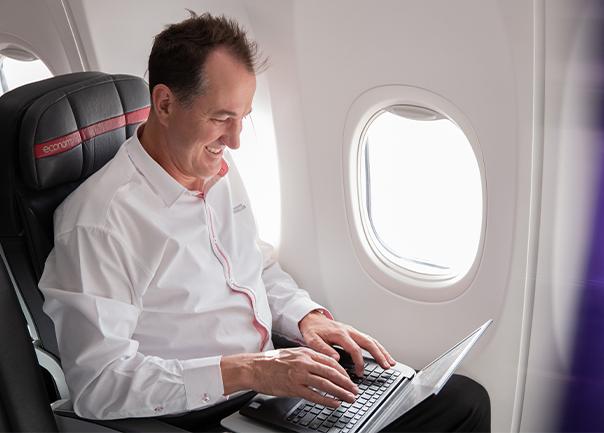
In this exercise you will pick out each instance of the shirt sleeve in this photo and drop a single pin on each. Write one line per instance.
(288, 302)
(92, 287)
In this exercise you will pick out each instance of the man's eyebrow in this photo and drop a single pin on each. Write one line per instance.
(227, 113)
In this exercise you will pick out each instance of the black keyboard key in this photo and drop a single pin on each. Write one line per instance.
(307, 419)
(370, 367)
(315, 424)
(323, 429)
(315, 410)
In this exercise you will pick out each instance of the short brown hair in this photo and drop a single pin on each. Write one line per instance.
(179, 53)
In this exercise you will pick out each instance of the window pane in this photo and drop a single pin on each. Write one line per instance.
(257, 163)
(17, 73)
(423, 192)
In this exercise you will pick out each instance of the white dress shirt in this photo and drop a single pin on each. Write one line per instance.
(149, 284)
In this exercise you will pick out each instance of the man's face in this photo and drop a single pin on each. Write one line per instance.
(197, 134)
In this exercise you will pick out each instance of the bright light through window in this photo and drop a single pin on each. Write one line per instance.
(257, 163)
(16, 73)
(422, 192)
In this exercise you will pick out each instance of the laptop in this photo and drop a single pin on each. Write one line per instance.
(384, 395)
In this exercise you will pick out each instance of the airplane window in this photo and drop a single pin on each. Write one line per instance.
(422, 192)
(257, 163)
(19, 67)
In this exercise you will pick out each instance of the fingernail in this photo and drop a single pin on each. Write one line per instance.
(335, 356)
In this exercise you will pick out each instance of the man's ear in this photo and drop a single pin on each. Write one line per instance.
(163, 102)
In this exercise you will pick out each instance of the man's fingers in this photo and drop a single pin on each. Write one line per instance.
(369, 344)
(318, 344)
(389, 357)
(335, 376)
(355, 352)
(331, 388)
(324, 359)
(310, 395)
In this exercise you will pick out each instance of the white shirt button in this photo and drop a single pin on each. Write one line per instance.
(205, 397)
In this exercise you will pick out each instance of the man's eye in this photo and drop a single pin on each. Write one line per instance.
(219, 120)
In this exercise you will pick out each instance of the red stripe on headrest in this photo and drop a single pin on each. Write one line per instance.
(137, 116)
(71, 140)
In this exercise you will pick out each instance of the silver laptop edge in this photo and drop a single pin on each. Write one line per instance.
(418, 389)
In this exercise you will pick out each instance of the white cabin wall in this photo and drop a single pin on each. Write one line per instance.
(482, 61)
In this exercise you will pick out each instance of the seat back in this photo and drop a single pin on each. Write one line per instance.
(54, 134)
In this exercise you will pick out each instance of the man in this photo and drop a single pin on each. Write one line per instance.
(162, 300)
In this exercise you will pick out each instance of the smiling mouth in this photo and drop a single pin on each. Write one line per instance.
(215, 150)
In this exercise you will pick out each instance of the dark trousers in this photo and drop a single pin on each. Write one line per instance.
(461, 406)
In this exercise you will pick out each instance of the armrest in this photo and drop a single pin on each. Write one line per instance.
(68, 419)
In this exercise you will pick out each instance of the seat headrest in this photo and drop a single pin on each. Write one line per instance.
(61, 130)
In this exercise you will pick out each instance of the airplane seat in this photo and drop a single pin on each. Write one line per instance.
(54, 134)
(23, 402)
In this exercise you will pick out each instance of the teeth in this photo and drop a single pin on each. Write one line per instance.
(214, 150)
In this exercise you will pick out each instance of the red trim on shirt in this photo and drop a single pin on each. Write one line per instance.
(224, 169)
(73, 139)
(261, 327)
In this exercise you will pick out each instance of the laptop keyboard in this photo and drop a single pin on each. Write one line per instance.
(324, 419)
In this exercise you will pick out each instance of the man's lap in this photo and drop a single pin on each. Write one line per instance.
(462, 405)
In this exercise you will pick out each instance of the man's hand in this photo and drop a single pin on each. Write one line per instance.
(320, 333)
(289, 372)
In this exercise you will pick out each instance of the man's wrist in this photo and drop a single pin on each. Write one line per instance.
(314, 315)
(319, 312)
(237, 372)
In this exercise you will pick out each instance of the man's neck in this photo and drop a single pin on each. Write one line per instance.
(153, 139)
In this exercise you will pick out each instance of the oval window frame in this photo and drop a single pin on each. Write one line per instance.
(397, 279)
(13, 42)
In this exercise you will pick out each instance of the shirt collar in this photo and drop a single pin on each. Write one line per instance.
(160, 181)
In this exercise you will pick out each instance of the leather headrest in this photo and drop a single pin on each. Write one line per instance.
(61, 130)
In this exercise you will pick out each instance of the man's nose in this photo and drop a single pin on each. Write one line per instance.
(233, 135)
(233, 142)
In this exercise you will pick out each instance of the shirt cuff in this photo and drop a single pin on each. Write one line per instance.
(203, 382)
(296, 311)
